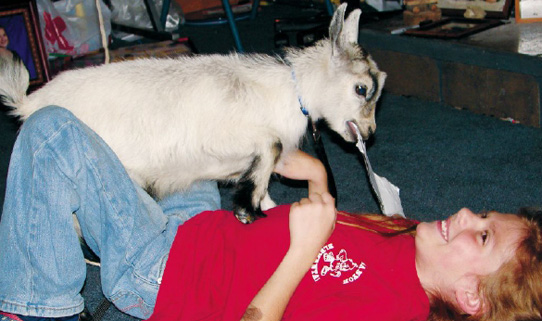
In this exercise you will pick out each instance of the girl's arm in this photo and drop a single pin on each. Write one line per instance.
(311, 222)
(299, 165)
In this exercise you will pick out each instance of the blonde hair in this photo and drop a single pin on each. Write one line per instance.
(378, 223)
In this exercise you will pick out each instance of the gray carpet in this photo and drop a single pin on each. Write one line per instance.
(441, 158)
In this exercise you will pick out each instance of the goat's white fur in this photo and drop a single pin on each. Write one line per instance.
(174, 121)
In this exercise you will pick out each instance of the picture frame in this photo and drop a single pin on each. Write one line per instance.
(495, 9)
(528, 11)
(19, 21)
(449, 28)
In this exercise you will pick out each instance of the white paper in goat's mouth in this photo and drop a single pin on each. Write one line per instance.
(386, 192)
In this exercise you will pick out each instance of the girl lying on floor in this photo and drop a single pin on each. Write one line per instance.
(305, 261)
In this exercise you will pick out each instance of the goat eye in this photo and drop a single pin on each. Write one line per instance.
(361, 90)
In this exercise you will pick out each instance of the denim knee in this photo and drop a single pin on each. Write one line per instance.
(43, 123)
(47, 116)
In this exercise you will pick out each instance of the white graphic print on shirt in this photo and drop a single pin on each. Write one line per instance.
(337, 266)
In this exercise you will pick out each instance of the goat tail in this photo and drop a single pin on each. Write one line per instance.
(14, 81)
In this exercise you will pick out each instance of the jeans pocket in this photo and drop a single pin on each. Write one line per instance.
(136, 291)
(151, 272)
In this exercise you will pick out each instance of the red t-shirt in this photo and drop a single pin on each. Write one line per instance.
(217, 265)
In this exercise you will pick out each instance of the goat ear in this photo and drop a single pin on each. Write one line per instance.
(350, 30)
(336, 27)
(343, 33)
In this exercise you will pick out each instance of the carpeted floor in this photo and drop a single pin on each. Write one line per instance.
(441, 158)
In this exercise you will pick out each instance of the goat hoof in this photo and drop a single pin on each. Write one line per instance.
(246, 217)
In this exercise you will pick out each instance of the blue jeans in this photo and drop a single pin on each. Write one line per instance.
(58, 167)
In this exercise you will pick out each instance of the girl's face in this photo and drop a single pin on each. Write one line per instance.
(465, 244)
(4, 40)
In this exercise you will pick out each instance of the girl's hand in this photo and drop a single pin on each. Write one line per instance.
(299, 165)
(312, 221)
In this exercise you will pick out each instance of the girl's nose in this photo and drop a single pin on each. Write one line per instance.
(465, 216)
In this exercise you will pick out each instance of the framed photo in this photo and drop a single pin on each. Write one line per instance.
(499, 9)
(528, 11)
(453, 27)
(20, 35)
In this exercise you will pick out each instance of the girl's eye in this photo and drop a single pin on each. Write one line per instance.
(484, 215)
(484, 237)
(361, 90)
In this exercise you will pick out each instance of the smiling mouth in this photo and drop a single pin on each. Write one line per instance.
(444, 230)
